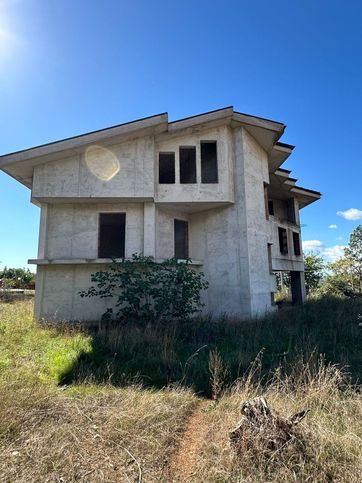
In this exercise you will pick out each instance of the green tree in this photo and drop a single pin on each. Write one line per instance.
(354, 253)
(17, 277)
(340, 280)
(314, 267)
(149, 291)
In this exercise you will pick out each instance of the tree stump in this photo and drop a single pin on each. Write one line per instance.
(263, 432)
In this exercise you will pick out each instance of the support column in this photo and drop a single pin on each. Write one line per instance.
(42, 248)
(297, 283)
(149, 230)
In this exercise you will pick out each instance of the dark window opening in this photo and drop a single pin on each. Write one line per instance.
(166, 168)
(266, 201)
(283, 240)
(270, 258)
(291, 211)
(271, 207)
(296, 244)
(112, 231)
(209, 162)
(181, 230)
(188, 165)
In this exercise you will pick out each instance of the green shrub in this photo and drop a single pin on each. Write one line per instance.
(149, 291)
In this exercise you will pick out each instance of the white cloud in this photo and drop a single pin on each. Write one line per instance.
(331, 253)
(334, 253)
(351, 214)
(312, 245)
(333, 227)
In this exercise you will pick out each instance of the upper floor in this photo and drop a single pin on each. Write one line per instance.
(192, 164)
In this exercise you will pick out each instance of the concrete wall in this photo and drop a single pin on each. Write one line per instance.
(72, 229)
(124, 170)
(57, 293)
(198, 192)
(254, 261)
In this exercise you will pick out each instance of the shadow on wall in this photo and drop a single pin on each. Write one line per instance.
(167, 354)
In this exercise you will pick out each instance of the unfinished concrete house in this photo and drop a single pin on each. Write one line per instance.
(209, 188)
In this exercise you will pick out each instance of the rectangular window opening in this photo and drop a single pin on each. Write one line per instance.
(271, 207)
(283, 240)
(166, 168)
(291, 211)
(181, 234)
(112, 231)
(296, 244)
(270, 258)
(209, 172)
(188, 165)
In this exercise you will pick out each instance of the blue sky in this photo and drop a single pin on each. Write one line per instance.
(74, 66)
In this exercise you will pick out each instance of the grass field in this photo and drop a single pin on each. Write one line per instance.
(117, 405)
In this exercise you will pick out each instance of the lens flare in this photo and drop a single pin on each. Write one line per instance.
(102, 162)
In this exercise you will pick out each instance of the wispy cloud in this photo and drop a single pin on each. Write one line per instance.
(351, 214)
(333, 227)
(331, 253)
(312, 245)
(334, 253)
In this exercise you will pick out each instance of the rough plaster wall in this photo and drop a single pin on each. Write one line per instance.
(71, 177)
(279, 261)
(58, 293)
(72, 229)
(165, 232)
(222, 191)
(255, 255)
(280, 209)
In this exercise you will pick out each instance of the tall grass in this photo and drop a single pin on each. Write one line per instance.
(163, 354)
(91, 430)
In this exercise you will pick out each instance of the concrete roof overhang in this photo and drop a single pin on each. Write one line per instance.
(283, 187)
(20, 164)
(278, 155)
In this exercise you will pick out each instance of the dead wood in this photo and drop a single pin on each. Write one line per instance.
(263, 431)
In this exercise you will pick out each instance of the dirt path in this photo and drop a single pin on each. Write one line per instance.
(182, 463)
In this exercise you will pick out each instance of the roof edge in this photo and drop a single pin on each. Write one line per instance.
(163, 117)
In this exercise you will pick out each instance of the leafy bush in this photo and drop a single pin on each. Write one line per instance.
(149, 291)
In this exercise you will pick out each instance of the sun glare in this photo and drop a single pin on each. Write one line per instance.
(102, 162)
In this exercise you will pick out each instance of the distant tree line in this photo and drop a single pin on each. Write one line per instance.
(20, 278)
(341, 278)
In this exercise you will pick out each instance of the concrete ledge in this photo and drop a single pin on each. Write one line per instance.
(89, 261)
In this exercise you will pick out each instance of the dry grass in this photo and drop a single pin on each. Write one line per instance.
(105, 435)
(331, 434)
(101, 433)
(79, 433)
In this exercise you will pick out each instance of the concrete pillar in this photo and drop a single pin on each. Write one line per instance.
(42, 248)
(149, 230)
(297, 283)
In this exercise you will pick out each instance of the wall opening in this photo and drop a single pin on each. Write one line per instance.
(112, 231)
(181, 235)
(296, 244)
(291, 211)
(270, 259)
(266, 201)
(283, 240)
(271, 207)
(188, 165)
(296, 283)
(166, 168)
(209, 172)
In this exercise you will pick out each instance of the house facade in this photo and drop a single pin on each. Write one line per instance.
(210, 188)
